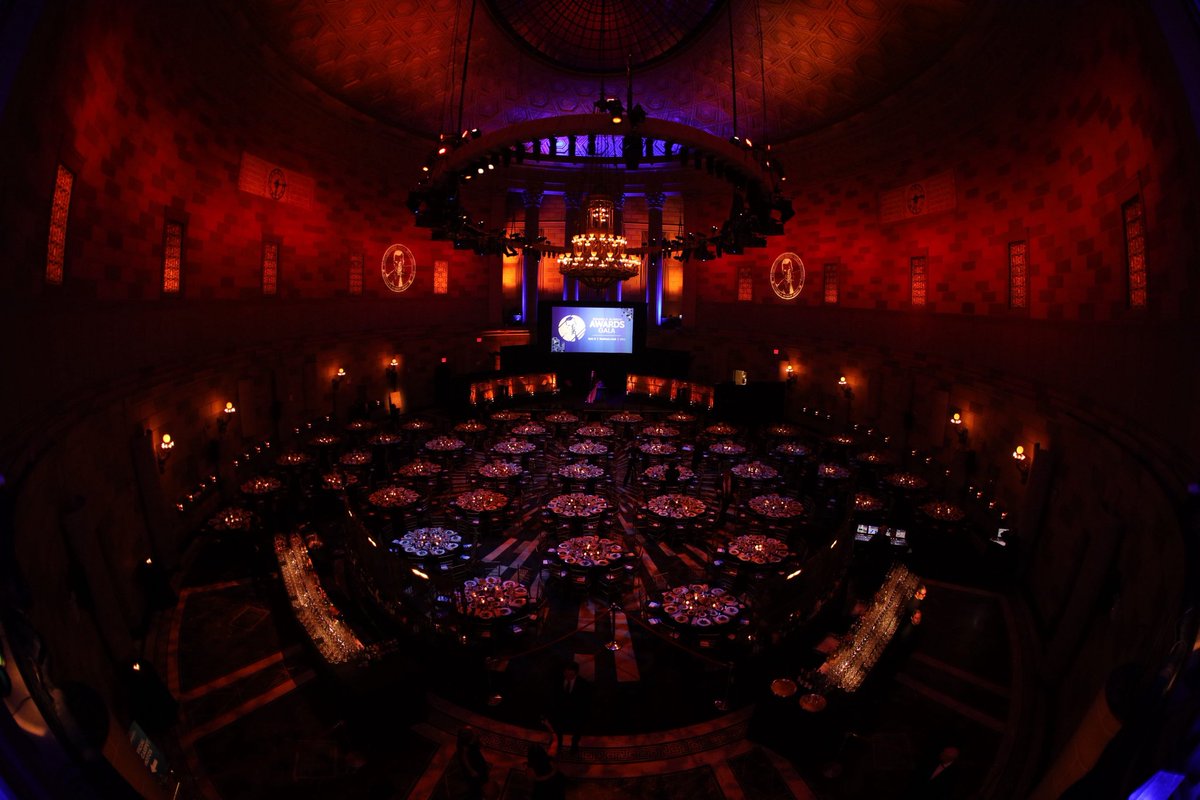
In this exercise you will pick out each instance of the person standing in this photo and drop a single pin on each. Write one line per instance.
(570, 706)
(671, 476)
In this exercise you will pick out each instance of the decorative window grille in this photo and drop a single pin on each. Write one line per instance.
(831, 284)
(64, 180)
(745, 290)
(270, 268)
(917, 266)
(172, 273)
(441, 277)
(1018, 274)
(356, 274)
(1133, 213)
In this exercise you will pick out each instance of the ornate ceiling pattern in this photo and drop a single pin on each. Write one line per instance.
(400, 61)
(603, 35)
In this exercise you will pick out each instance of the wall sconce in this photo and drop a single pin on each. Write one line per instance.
(956, 421)
(164, 451)
(224, 418)
(392, 372)
(845, 386)
(791, 375)
(1022, 462)
(337, 379)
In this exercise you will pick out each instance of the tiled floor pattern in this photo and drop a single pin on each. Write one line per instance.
(257, 712)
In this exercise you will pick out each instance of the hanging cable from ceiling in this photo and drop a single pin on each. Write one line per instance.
(733, 76)
(448, 89)
(462, 94)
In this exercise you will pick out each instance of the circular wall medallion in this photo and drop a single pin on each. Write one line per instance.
(398, 268)
(787, 276)
(916, 199)
(276, 183)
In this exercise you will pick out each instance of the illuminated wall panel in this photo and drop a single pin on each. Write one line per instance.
(831, 284)
(59, 209)
(356, 274)
(172, 272)
(270, 268)
(1018, 274)
(441, 277)
(917, 265)
(1135, 250)
(745, 285)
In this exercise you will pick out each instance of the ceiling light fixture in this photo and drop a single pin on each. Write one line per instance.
(598, 258)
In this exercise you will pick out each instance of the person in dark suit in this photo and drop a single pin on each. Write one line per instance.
(570, 705)
(671, 476)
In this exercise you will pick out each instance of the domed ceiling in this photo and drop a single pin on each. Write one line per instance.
(602, 35)
(400, 61)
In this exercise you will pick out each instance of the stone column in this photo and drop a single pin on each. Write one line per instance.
(529, 279)
(618, 228)
(654, 276)
(574, 203)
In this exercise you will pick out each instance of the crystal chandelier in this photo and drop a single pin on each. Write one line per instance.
(598, 258)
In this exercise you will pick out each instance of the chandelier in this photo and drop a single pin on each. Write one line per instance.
(598, 258)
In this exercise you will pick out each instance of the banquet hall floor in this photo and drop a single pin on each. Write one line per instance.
(259, 716)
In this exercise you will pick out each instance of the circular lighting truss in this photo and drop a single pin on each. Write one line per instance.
(593, 142)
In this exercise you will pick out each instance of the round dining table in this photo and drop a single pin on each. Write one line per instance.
(232, 520)
(674, 507)
(588, 448)
(595, 431)
(905, 481)
(776, 507)
(262, 486)
(698, 607)
(658, 473)
(589, 552)
(444, 444)
(756, 549)
(754, 471)
(420, 468)
(483, 504)
(491, 599)
(429, 545)
(577, 508)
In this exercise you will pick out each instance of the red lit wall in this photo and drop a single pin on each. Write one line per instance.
(1096, 119)
(150, 137)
